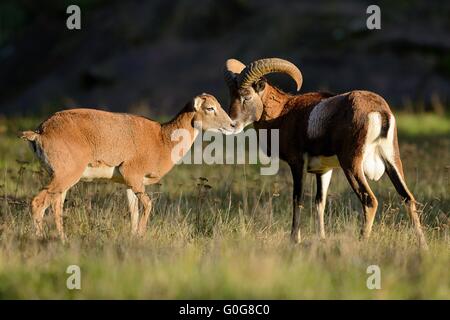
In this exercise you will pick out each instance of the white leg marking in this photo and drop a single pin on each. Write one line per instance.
(133, 206)
(320, 204)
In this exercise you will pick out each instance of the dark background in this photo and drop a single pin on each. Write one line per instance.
(150, 57)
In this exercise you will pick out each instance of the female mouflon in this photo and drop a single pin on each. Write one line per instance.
(88, 144)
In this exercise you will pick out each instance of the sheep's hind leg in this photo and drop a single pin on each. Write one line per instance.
(38, 206)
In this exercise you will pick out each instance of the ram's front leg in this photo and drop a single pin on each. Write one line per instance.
(297, 176)
(323, 182)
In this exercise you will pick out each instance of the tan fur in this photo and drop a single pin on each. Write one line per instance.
(91, 144)
(355, 130)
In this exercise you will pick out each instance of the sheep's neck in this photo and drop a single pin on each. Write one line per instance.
(180, 127)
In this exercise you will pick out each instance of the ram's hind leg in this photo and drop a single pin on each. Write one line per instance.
(355, 176)
(394, 170)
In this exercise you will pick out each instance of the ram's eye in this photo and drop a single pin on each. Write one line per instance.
(210, 109)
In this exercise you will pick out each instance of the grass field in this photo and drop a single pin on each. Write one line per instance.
(228, 237)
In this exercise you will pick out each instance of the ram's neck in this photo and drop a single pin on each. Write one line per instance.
(274, 102)
(280, 107)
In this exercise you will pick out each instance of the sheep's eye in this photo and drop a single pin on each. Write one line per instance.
(210, 109)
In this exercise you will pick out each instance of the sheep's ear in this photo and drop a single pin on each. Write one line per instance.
(197, 103)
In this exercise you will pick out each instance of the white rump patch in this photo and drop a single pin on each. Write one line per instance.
(318, 119)
(376, 148)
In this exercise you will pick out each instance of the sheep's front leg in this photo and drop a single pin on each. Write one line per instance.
(133, 178)
(133, 206)
(147, 202)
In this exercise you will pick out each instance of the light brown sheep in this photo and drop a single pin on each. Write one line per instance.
(88, 144)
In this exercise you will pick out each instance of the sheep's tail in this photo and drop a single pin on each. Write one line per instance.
(28, 135)
(33, 138)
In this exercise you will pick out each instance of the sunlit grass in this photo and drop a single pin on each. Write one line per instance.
(230, 240)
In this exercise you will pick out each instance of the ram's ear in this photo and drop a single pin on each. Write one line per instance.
(260, 85)
(197, 103)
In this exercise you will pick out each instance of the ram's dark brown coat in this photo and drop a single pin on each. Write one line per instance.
(320, 131)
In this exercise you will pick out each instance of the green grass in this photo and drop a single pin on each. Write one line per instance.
(423, 124)
(232, 240)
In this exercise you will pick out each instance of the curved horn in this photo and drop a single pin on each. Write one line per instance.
(232, 68)
(259, 68)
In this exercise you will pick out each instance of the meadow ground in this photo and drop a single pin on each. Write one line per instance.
(228, 236)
